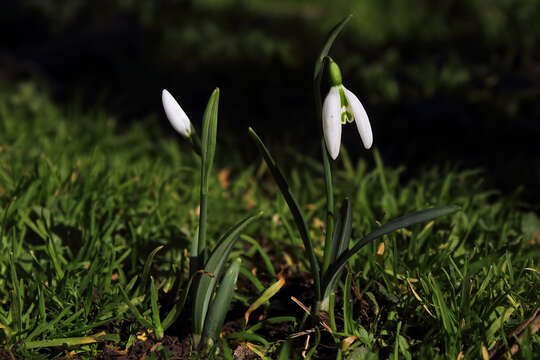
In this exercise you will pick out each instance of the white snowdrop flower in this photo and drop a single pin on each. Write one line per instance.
(178, 118)
(341, 106)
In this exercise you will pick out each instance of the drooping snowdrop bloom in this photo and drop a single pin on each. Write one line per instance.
(178, 118)
(341, 106)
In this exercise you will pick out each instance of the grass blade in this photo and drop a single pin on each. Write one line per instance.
(266, 295)
(46, 326)
(391, 226)
(220, 306)
(247, 336)
(155, 310)
(179, 306)
(214, 265)
(295, 210)
(74, 341)
(17, 302)
(146, 269)
(145, 323)
(264, 255)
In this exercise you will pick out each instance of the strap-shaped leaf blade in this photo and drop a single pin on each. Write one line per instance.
(220, 306)
(214, 265)
(298, 216)
(179, 306)
(391, 226)
(208, 150)
(144, 323)
(146, 269)
(155, 309)
(340, 244)
(342, 233)
(209, 133)
(265, 296)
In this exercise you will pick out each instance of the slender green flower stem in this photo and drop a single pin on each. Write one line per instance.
(330, 219)
(196, 143)
(330, 207)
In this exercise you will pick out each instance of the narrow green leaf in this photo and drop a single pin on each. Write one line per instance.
(264, 255)
(348, 321)
(391, 226)
(17, 303)
(295, 210)
(74, 341)
(342, 233)
(214, 265)
(227, 353)
(256, 282)
(396, 343)
(220, 306)
(247, 336)
(146, 269)
(332, 35)
(209, 133)
(51, 250)
(144, 323)
(272, 320)
(266, 295)
(285, 352)
(330, 207)
(340, 243)
(41, 304)
(155, 310)
(46, 326)
(179, 306)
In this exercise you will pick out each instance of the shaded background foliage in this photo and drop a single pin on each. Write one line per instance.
(442, 81)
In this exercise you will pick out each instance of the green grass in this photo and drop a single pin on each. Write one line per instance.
(85, 200)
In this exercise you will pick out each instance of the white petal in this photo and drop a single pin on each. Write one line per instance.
(361, 118)
(331, 117)
(175, 114)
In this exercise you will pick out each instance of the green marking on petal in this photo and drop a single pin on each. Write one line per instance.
(343, 98)
(346, 117)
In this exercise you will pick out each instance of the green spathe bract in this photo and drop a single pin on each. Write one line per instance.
(334, 73)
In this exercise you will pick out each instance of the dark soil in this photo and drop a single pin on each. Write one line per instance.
(140, 350)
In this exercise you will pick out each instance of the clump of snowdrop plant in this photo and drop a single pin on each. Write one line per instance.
(214, 289)
(340, 107)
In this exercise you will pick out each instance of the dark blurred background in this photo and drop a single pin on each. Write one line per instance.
(443, 81)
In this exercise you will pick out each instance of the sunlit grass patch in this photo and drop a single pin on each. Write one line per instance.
(84, 201)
